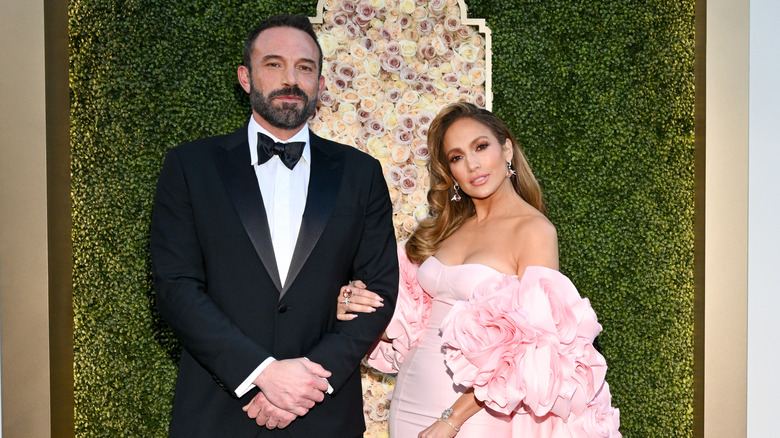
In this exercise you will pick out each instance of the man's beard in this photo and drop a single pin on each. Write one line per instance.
(287, 116)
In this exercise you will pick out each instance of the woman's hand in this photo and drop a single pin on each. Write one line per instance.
(439, 429)
(354, 297)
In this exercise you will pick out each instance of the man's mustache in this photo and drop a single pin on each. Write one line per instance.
(289, 91)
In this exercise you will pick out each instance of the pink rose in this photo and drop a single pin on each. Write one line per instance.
(408, 74)
(363, 116)
(406, 122)
(479, 100)
(403, 137)
(348, 6)
(353, 29)
(464, 32)
(425, 26)
(365, 11)
(392, 63)
(427, 51)
(452, 24)
(339, 18)
(450, 78)
(361, 22)
(346, 71)
(408, 185)
(332, 68)
(410, 171)
(327, 98)
(394, 175)
(421, 153)
(376, 127)
(341, 83)
(393, 95)
(437, 6)
(368, 43)
(425, 117)
(393, 48)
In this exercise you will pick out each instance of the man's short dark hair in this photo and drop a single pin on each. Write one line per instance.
(295, 21)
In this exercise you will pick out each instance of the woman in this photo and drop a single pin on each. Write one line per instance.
(488, 339)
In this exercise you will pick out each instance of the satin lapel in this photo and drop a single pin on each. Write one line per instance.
(324, 182)
(233, 163)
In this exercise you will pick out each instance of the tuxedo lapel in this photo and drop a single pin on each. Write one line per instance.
(233, 164)
(326, 171)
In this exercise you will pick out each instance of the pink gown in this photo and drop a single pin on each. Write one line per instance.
(541, 378)
(424, 386)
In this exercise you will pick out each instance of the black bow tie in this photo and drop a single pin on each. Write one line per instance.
(289, 153)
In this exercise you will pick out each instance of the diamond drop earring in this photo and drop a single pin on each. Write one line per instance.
(456, 196)
(510, 171)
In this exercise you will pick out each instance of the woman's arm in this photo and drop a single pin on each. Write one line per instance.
(464, 408)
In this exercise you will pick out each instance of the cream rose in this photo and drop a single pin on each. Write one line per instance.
(399, 153)
(406, 6)
(410, 97)
(373, 67)
(408, 48)
(467, 52)
(420, 213)
(329, 44)
(390, 119)
(410, 224)
(477, 75)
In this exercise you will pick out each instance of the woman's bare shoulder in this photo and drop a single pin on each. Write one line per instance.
(535, 242)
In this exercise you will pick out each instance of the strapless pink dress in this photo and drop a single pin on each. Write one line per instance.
(424, 386)
(524, 345)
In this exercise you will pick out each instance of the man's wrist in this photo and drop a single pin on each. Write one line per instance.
(251, 380)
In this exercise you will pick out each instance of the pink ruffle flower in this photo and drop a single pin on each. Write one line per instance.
(412, 311)
(525, 347)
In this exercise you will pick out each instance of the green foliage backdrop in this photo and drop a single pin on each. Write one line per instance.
(599, 93)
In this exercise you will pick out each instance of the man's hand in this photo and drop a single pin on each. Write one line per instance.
(293, 385)
(266, 414)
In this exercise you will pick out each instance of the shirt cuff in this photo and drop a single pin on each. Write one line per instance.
(330, 388)
(248, 383)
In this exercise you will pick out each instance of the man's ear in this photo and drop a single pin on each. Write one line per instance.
(243, 78)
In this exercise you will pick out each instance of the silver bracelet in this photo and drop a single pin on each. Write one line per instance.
(457, 429)
(444, 417)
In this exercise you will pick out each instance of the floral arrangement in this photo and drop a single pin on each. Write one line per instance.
(390, 66)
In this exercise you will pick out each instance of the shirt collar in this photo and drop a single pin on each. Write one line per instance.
(253, 128)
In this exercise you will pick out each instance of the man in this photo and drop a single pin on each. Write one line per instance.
(249, 245)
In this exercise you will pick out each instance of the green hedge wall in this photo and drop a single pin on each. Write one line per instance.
(599, 93)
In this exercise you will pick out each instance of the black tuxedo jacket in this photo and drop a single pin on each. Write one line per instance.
(218, 286)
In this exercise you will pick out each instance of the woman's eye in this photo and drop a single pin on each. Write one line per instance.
(482, 146)
(454, 159)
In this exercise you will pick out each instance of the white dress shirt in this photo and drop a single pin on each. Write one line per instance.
(284, 197)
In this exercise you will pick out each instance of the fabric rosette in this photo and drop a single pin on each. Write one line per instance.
(412, 311)
(527, 346)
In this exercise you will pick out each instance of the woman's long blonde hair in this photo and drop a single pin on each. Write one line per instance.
(446, 216)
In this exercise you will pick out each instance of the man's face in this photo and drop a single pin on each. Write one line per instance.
(284, 81)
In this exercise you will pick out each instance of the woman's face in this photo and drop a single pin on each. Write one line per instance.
(476, 159)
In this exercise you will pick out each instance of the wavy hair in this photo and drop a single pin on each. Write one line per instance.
(447, 216)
